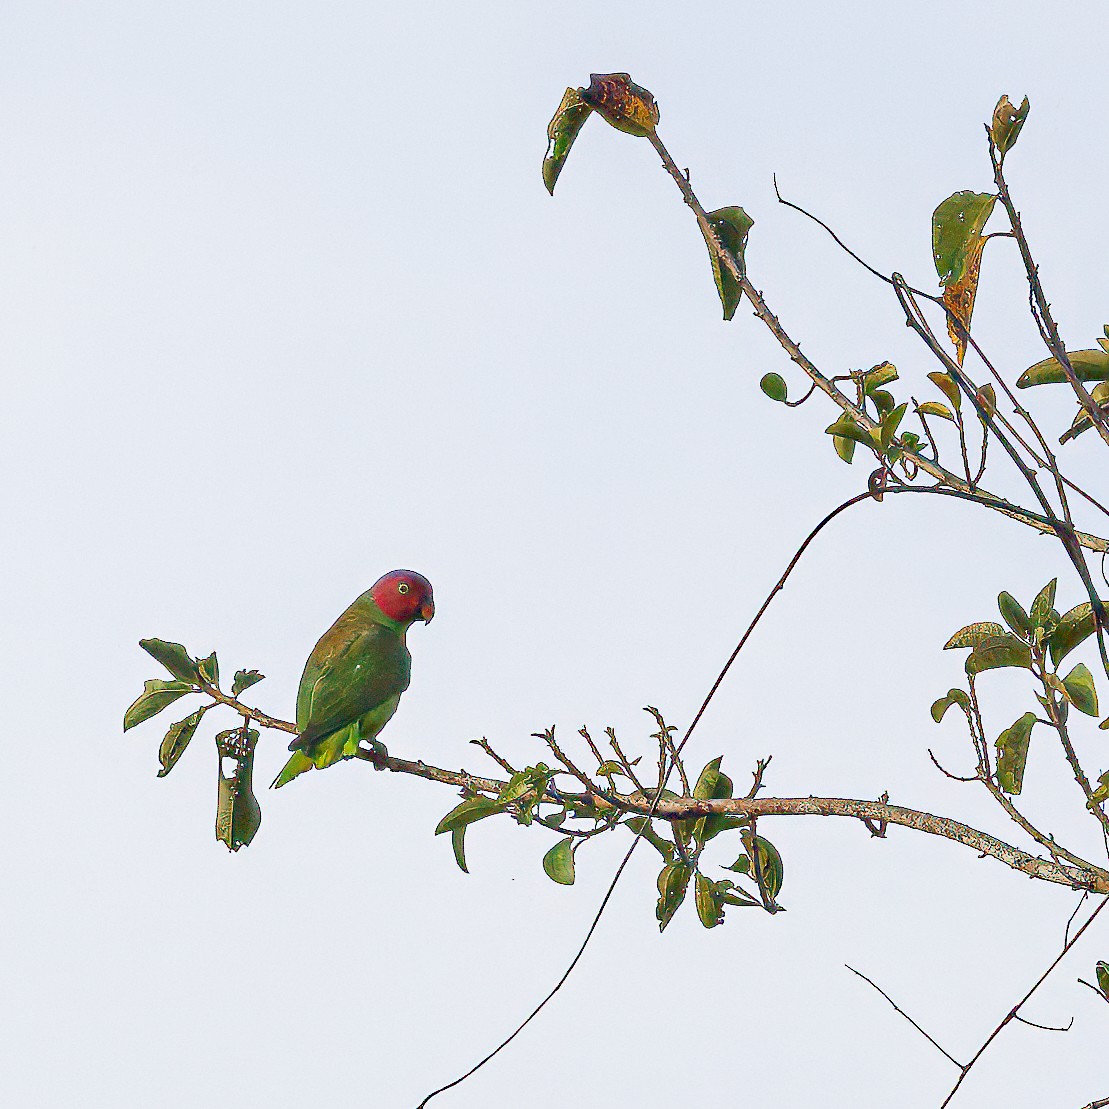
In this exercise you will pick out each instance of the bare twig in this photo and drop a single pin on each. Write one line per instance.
(1012, 1013)
(897, 1008)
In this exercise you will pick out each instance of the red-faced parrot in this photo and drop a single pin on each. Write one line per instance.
(354, 677)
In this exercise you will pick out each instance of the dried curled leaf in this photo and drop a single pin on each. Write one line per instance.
(561, 133)
(621, 102)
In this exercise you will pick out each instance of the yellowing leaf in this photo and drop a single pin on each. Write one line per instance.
(948, 386)
(621, 102)
(934, 408)
(958, 298)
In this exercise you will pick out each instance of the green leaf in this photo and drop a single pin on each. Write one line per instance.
(1088, 365)
(845, 448)
(173, 657)
(953, 697)
(662, 846)
(1013, 614)
(1078, 687)
(974, 634)
(1000, 651)
(558, 863)
(773, 385)
(244, 679)
(208, 668)
(949, 387)
(1102, 973)
(1012, 753)
(736, 896)
(609, 768)
(847, 428)
(619, 101)
(472, 809)
(877, 376)
(1006, 124)
(238, 814)
(1043, 604)
(1073, 628)
(888, 427)
(561, 133)
(957, 225)
(934, 408)
(883, 401)
(705, 898)
(177, 739)
(156, 695)
(673, 880)
(769, 868)
(742, 865)
(712, 785)
(458, 845)
(731, 226)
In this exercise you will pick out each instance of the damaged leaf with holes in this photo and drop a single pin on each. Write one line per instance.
(561, 133)
(957, 244)
(1007, 123)
(238, 814)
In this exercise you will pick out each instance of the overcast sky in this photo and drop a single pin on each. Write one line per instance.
(285, 305)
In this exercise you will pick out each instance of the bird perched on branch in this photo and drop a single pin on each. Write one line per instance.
(355, 675)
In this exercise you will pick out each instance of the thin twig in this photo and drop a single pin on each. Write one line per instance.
(1014, 1010)
(897, 1008)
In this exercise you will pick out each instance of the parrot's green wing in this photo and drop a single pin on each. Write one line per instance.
(350, 688)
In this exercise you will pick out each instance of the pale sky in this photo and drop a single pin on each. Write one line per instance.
(285, 306)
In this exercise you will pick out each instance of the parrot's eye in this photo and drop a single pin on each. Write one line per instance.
(403, 587)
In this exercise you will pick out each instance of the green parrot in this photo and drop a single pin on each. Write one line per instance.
(355, 675)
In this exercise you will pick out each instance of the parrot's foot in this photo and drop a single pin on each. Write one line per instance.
(375, 752)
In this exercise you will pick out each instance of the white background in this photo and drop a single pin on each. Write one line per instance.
(285, 305)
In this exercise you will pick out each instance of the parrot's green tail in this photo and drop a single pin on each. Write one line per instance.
(298, 763)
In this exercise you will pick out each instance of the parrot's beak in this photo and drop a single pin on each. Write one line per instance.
(427, 611)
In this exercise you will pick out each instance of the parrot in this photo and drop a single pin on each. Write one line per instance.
(355, 675)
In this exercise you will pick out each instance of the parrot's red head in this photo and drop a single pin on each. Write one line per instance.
(404, 596)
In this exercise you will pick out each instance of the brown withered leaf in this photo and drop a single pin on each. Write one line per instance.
(621, 102)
